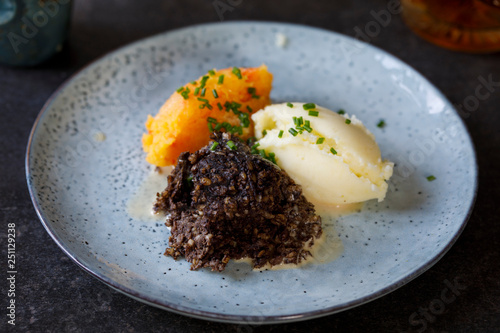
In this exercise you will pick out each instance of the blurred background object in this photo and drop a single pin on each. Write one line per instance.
(31, 31)
(460, 25)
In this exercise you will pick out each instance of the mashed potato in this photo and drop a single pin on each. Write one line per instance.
(336, 159)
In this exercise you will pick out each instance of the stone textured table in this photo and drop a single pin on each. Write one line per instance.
(54, 295)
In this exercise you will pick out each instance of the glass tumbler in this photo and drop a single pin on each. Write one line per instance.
(460, 25)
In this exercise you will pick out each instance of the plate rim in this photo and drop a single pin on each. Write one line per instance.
(229, 318)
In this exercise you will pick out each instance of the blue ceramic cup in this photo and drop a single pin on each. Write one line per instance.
(31, 31)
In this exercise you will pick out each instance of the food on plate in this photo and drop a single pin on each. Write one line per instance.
(333, 156)
(219, 99)
(223, 202)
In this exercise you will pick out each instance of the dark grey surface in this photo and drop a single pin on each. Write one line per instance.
(54, 295)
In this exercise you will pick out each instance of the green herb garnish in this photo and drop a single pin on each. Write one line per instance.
(280, 135)
(244, 120)
(236, 71)
(231, 145)
(214, 92)
(214, 145)
(185, 93)
(290, 105)
(251, 91)
(309, 106)
(341, 111)
(293, 131)
(221, 79)
(313, 113)
(205, 103)
(211, 72)
(272, 157)
(431, 178)
(381, 124)
(203, 81)
(348, 121)
(320, 141)
(333, 151)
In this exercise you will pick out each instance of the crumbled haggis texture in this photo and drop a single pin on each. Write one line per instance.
(227, 204)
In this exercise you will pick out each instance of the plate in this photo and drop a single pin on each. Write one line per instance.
(84, 162)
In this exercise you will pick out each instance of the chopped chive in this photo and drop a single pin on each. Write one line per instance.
(245, 122)
(211, 72)
(219, 106)
(313, 113)
(272, 156)
(320, 141)
(221, 79)
(252, 91)
(300, 121)
(185, 93)
(280, 135)
(307, 128)
(341, 111)
(431, 178)
(196, 91)
(212, 120)
(251, 139)
(203, 92)
(290, 105)
(236, 71)
(333, 151)
(203, 81)
(231, 145)
(218, 127)
(210, 126)
(348, 121)
(255, 146)
(214, 92)
(194, 83)
(381, 124)
(307, 123)
(205, 103)
(309, 106)
(214, 145)
(249, 109)
(263, 153)
(295, 121)
(293, 131)
(264, 132)
(180, 89)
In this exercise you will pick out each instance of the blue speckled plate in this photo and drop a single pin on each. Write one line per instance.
(80, 184)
